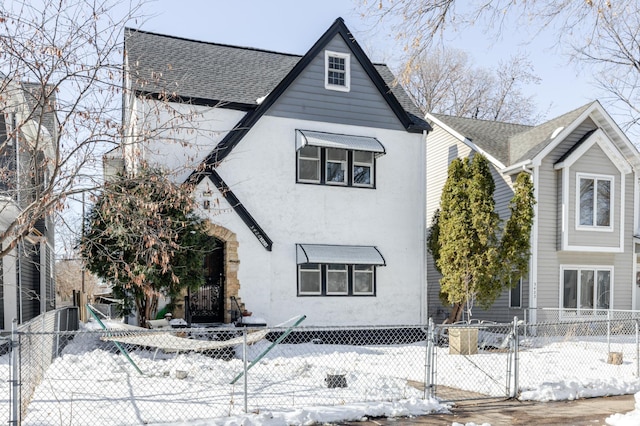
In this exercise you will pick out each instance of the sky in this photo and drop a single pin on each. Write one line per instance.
(292, 26)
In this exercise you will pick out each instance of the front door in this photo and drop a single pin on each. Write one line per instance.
(207, 303)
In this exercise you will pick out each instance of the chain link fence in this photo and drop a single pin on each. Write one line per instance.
(136, 376)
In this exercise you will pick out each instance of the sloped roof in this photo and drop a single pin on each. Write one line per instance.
(528, 144)
(220, 74)
(507, 142)
(490, 136)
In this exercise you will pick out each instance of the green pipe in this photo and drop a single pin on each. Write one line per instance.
(118, 345)
(278, 340)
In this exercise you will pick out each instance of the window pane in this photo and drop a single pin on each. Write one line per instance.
(309, 170)
(604, 289)
(335, 172)
(570, 289)
(310, 278)
(337, 279)
(335, 154)
(586, 289)
(586, 201)
(336, 63)
(604, 202)
(363, 157)
(363, 279)
(336, 78)
(362, 175)
(309, 152)
(515, 295)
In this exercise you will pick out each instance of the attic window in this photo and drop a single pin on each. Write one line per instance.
(337, 71)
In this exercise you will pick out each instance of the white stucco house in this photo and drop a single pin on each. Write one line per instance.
(584, 242)
(309, 170)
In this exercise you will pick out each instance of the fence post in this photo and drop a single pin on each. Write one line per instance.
(15, 384)
(516, 348)
(245, 349)
(637, 350)
(428, 387)
(609, 331)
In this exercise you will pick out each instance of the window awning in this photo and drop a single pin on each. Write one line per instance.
(352, 255)
(333, 140)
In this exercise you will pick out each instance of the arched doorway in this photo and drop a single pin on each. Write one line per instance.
(207, 304)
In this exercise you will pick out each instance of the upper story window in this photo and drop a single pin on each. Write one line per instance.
(332, 159)
(337, 71)
(594, 205)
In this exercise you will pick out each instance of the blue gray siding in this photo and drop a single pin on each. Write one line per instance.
(307, 98)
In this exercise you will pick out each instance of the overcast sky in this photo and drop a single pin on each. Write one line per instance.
(292, 26)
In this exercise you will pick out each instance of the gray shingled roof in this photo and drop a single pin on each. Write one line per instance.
(217, 72)
(528, 144)
(194, 69)
(490, 136)
(510, 143)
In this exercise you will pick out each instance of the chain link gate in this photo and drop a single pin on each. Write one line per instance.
(472, 361)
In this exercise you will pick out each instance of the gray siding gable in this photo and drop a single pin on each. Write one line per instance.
(308, 99)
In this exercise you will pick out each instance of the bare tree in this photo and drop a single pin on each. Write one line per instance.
(602, 33)
(61, 64)
(69, 278)
(446, 82)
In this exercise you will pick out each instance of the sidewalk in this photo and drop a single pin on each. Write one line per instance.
(591, 411)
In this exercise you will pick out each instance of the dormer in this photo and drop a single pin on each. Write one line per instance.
(593, 188)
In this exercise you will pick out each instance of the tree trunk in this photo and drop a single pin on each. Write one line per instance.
(455, 314)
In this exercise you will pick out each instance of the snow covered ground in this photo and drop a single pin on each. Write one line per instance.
(92, 383)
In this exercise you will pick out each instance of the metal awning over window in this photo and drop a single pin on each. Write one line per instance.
(332, 140)
(352, 255)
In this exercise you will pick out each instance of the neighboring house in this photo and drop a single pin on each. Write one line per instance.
(585, 233)
(309, 169)
(27, 285)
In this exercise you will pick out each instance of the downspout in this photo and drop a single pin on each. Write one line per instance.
(424, 296)
(16, 140)
(533, 266)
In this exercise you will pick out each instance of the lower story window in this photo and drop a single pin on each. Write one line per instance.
(515, 295)
(331, 279)
(310, 278)
(586, 288)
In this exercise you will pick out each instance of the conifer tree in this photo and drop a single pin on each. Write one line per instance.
(476, 265)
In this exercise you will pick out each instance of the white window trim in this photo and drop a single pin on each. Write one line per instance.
(310, 293)
(318, 160)
(347, 71)
(566, 313)
(594, 227)
(345, 167)
(345, 272)
(371, 272)
(371, 172)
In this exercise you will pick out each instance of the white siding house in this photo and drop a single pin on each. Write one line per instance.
(307, 168)
(585, 175)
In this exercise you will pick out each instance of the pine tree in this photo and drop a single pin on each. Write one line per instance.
(475, 264)
(516, 239)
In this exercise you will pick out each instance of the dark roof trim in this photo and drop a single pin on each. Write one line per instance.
(195, 101)
(249, 120)
(240, 209)
(576, 146)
